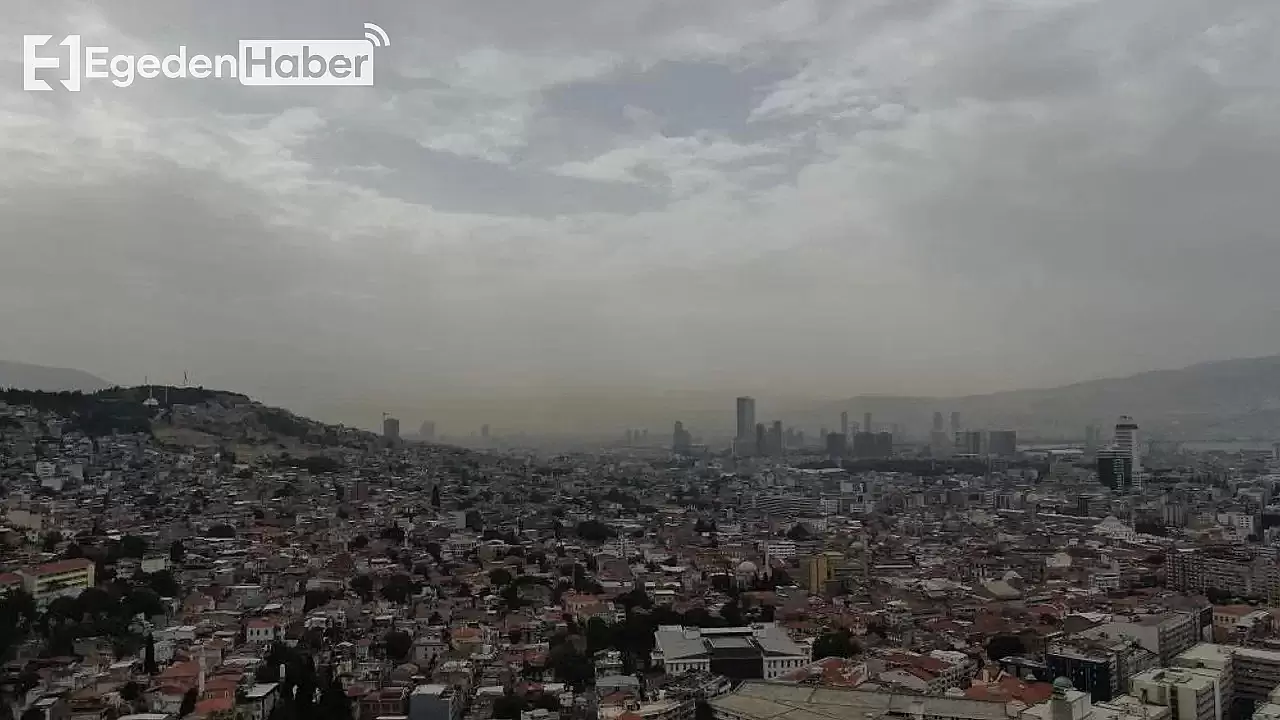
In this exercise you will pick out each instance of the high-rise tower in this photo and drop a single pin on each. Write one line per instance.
(680, 439)
(1126, 440)
(746, 418)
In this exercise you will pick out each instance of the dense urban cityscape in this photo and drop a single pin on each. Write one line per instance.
(183, 553)
(640, 360)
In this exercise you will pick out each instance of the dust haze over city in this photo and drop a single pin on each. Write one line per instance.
(578, 217)
(640, 360)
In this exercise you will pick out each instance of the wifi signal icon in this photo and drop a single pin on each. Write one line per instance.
(376, 35)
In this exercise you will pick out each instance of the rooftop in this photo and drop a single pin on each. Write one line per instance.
(798, 702)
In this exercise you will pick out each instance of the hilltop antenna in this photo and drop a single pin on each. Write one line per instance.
(184, 378)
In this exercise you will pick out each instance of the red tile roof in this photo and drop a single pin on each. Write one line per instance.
(1010, 688)
(59, 567)
(212, 705)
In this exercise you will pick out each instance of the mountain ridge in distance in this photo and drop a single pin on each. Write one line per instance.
(25, 376)
(1220, 400)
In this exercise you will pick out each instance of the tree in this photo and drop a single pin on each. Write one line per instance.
(1004, 645)
(188, 705)
(96, 602)
(571, 666)
(177, 552)
(358, 542)
(509, 706)
(599, 635)
(315, 599)
(731, 611)
(149, 662)
(362, 585)
(510, 595)
(398, 644)
(435, 497)
(142, 601)
(164, 584)
(73, 552)
(543, 701)
(130, 692)
(779, 578)
(395, 534)
(594, 531)
(499, 577)
(51, 541)
(62, 609)
(799, 533)
(334, 704)
(839, 644)
(132, 546)
(221, 530)
(398, 588)
(636, 598)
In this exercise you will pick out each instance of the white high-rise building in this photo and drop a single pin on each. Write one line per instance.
(1126, 440)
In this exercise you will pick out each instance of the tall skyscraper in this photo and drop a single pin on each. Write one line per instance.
(940, 444)
(760, 439)
(428, 431)
(484, 431)
(955, 423)
(872, 445)
(844, 424)
(866, 423)
(969, 442)
(837, 445)
(776, 444)
(746, 418)
(1092, 439)
(681, 440)
(390, 428)
(1126, 439)
(1002, 443)
(1115, 469)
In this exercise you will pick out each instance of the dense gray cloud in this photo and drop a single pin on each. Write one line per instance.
(791, 198)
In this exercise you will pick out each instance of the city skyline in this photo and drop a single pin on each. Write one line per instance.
(534, 200)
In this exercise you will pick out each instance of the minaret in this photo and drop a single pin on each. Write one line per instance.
(200, 677)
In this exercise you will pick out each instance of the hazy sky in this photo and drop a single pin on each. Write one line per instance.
(782, 198)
